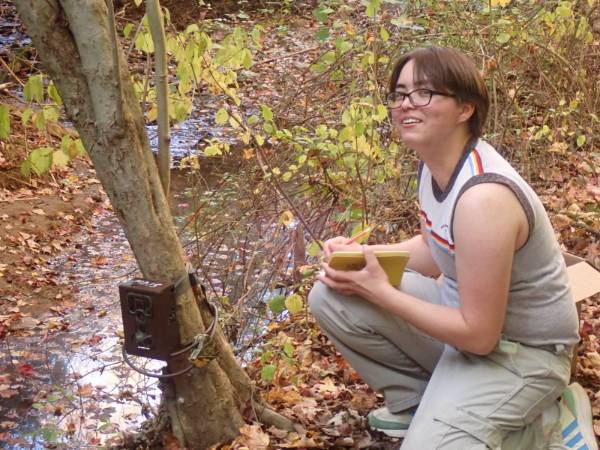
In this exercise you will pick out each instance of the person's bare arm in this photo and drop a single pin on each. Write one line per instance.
(489, 225)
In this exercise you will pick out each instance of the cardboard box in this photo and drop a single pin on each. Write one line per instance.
(584, 281)
(583, 278)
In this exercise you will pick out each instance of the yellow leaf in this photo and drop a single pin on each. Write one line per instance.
(286, 218)
(152, 114)
(313, 249)
(501, 3)
(59, 159)
(294, 303)
(358, 229)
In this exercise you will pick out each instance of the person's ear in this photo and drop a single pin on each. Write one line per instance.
(468, 109)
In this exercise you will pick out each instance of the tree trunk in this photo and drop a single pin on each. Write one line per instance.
(72, 38)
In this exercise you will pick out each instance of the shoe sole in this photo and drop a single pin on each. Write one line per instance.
(394, 433)
(583, 410)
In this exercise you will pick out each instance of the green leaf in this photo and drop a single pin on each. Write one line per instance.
(127, 29)
(213, 150)
(313, 249)
(503, 38)
(4, 122)
(53, 94)
(372, 8)
(26, 115)
(288, 349)
(322, 34)
(247, 59)
(34, 89)
(80, 147)
(265, 357)
(41, 160)
(269, 128)
(329, 57)
(39, 120)
(287, 176)
(144, 42)
(322, 12)
(384, 34)
(277, 304)
(26, 168)
(294, 303)
(193, 28)
(259, 140)
(381, 113)
(580, 140)
(267, 373)
(51, 113)
(222, 116)
(267, 113)
(358, 228)
(53, 398)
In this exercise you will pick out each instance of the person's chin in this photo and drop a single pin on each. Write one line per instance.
(410, 139)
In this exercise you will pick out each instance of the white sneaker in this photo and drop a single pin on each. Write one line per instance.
(392, 424)
(576, 419)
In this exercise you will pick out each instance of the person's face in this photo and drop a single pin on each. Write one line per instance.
(430, 125)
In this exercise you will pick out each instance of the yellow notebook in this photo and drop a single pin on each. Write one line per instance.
(393, 262)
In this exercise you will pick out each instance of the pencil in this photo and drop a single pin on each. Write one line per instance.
(359, 235)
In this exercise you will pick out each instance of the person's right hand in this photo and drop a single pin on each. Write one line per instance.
(339, 243)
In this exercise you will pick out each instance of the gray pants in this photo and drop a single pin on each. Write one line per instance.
(466, 401)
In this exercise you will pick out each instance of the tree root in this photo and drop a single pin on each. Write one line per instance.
(268, 416)
(149, 436)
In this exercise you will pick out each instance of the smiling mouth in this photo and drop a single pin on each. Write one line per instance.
(410, 121)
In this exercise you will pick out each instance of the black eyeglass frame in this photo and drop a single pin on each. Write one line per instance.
(392, 96)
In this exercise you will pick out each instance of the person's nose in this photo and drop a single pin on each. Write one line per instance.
(405, 103)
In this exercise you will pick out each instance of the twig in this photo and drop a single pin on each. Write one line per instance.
(116, 62)
(7, 67)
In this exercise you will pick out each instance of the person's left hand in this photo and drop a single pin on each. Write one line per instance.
(367, 283)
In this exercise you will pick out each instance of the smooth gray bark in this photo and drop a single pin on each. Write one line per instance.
(157, 30)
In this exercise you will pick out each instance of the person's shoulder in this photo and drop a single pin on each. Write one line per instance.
(495, 198)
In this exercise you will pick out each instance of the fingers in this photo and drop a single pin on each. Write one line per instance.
(340, 287)
(370, 257)
(336, 275)
(333, 244)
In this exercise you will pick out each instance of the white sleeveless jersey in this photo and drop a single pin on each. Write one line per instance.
(540, 308)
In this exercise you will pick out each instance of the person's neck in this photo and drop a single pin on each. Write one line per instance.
(442, 158)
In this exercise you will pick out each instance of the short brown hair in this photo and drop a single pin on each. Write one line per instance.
(450, 71)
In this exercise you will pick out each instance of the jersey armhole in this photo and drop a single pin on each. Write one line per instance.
(500, 179)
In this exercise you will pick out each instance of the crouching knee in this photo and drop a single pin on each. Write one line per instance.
(317, 301)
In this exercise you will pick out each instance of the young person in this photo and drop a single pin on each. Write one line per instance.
(473, 349)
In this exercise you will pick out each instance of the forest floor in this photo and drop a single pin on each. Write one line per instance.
(43, 218)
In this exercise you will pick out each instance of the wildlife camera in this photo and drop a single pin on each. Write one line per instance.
(149, 322)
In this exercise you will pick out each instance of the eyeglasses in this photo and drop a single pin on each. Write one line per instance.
(417, 98)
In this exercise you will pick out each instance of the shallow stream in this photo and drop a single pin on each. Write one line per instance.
(82, 393)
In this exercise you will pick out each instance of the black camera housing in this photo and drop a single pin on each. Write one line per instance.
(149, 318)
